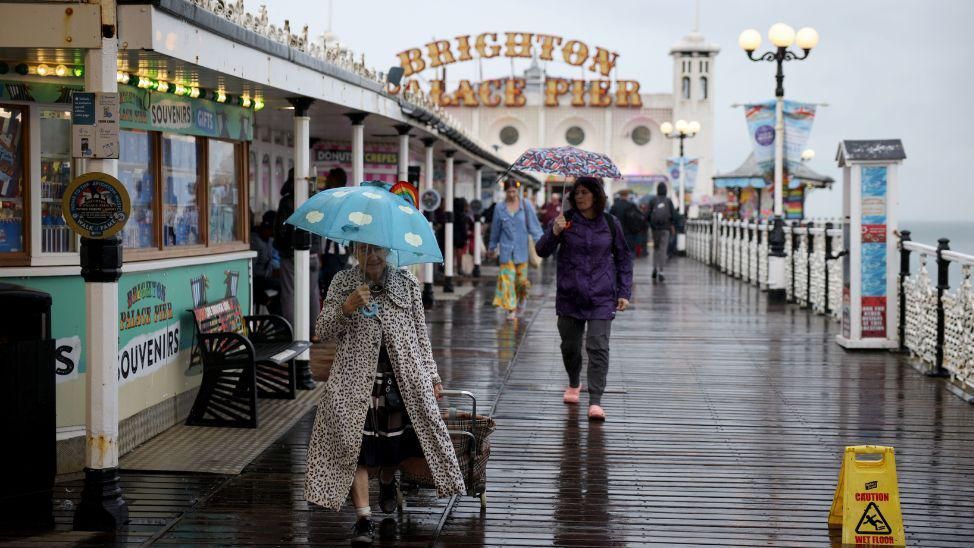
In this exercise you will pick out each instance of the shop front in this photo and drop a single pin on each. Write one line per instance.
(183, 161)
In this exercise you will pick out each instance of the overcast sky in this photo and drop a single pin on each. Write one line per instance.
(887, 68)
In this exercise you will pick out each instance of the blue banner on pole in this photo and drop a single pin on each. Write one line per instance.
(798, 120)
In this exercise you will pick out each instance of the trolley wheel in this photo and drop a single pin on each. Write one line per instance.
(483, 500)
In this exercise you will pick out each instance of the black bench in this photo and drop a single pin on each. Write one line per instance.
(243, 357)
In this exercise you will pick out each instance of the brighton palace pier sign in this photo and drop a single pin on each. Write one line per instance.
(510, 91)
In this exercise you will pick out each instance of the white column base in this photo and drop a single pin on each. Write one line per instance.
(866, 344)
(681, 243)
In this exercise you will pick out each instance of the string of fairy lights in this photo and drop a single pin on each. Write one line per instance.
(142, 82)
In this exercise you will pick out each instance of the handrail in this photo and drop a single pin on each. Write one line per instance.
(910, 245)
(955, 257)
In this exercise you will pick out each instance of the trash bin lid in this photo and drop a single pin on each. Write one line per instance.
(20, 296)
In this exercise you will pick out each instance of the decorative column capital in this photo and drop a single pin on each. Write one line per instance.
(357, 118)
(403, 129)
(478, 167)
(428, 142)
(449, 153)
(301, 105)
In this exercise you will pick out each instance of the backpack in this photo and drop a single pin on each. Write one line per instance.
(661, 215)
(633, 220)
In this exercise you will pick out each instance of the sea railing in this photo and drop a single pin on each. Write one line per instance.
(935, 323)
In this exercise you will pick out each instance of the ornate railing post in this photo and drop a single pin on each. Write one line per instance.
(904, 272)
(825, 267)
(809, 246)
(792, 253)
(943, 284)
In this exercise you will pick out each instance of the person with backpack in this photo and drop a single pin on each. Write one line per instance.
(662, 217)
(594, 282)
(633, 221)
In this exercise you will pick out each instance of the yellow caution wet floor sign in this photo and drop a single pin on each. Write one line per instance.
(866, 504)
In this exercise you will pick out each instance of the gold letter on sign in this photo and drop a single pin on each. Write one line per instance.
(465, 94)
(627, 94)
(482, 48)
(578, 93)
(439, 53)
(603, 61)
(518, 48)
(575, 52)
(513, 96)
(548, 43)
(487, 98)
(553, 89)
(463, 45)
(411, 61)
(599, 93)
(438, 96)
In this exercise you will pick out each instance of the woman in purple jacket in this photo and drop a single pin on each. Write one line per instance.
(594, 282)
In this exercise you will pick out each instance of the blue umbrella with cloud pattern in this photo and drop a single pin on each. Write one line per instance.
(373, 215)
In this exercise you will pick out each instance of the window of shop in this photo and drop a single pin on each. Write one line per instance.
(575, 136)
(56, 235)
(509, 135)
(223, 191)
(13, 183)
(641, 135)
(135, 171)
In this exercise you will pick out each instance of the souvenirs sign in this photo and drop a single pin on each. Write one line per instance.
(96, 205)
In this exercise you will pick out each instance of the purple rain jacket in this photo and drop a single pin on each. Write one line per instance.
(590, 282)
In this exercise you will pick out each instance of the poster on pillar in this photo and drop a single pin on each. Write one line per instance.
(380, 161)
(873, 207)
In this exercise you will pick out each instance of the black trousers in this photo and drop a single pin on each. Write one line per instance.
(572, 331)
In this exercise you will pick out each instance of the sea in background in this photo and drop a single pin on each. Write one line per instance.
(960, 234)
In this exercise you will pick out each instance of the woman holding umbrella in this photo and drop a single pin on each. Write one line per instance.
(378, 411)
(514, 220)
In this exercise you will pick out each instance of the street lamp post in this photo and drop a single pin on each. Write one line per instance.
(682, 130)
(782, 37)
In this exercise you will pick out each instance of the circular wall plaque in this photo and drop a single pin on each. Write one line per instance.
(430, 199)
(96, 205)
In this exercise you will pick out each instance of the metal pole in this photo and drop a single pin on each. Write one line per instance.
(102, 507)
(904, 273)
(943, 284)
(303, 284)
(477, 225)
(448, 231)
(428, 298)
(776, 239)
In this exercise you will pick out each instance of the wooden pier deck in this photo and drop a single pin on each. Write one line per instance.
(726, 421)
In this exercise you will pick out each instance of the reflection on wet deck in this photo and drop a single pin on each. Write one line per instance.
(727, 418)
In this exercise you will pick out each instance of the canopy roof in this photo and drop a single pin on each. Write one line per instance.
(750, 174)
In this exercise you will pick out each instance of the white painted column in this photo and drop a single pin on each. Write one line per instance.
(302, 274)
(358, 146)
(681, 237)
(403, 130)
(448, 231)
(477, 224)
(427, 272)
(102, 506)
(776, 258)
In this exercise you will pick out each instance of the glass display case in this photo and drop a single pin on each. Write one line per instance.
(12, 179)
(180, 201)
(135, 161)
(56, 173)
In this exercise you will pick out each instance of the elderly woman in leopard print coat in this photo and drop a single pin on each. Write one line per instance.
(399, 329)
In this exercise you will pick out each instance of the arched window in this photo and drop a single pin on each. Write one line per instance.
(686, 87)
(703, 87)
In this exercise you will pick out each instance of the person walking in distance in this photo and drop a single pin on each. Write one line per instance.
(661, 221)
(514, 221)
(594, 282)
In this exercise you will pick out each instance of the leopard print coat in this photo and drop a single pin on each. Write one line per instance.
(337, 436)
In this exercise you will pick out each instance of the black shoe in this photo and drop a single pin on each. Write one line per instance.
(654, 273)
(363, 532)
(388, 499)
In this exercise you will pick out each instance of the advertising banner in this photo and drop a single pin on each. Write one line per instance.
(673, 170)
(381, 160)
(873, 204)
(798, 120)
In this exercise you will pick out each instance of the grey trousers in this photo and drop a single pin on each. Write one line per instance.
(596, 345)
(287, 291)
(661, 243)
